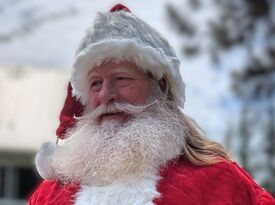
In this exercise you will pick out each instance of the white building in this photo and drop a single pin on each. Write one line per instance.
(30, 102)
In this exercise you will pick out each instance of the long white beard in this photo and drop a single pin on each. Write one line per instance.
(100, 154)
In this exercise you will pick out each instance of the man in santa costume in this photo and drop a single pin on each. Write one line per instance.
(125, 140)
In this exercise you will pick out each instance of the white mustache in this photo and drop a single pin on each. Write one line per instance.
(117, 107)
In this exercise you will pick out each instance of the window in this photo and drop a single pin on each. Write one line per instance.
(17, 182)
(18, 177)
(27, 180)
(1, 182)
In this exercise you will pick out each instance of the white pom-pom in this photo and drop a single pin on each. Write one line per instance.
(43, 160)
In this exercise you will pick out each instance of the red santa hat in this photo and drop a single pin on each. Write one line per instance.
(71, 110)
(120, 35)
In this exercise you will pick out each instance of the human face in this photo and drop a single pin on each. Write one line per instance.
(117, 82)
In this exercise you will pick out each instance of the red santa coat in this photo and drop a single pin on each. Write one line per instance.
(181, 183)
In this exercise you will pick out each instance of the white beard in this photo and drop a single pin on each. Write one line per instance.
(99, 154)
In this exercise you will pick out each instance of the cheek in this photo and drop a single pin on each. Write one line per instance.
(136, 94)
(93, 102)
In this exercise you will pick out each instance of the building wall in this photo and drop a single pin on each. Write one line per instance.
(31, 99)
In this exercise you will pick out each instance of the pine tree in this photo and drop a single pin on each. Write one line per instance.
(247, 27)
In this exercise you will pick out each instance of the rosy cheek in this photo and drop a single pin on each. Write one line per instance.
(93, 102)
(133, 96)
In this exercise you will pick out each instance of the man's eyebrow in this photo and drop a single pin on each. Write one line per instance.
(125, 69)
(92, 75)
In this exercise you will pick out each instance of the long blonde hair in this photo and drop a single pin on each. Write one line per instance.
(197, 149)
(200, 150)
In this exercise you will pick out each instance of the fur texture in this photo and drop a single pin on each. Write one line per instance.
(103, 153)
(125, 191)
(112, 150)
(122, 36)
(43, 159)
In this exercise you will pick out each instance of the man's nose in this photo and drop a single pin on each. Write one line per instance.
(107, 93)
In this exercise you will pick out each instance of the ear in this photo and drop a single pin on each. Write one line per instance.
(165, 88)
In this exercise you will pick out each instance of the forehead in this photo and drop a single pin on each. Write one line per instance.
(113, 67)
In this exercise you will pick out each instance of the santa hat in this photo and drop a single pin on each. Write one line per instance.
(120, 35)
(71, 110)
(123, 36)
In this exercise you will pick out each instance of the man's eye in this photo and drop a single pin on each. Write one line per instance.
(96, 85)
(123, 78)
(124, 81)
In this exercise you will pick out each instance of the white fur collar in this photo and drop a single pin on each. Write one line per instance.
(126, 191)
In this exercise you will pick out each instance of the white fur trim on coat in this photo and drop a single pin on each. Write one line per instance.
(126, 191)
(122, 36)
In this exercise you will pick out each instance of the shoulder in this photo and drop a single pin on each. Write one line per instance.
(214, 174)
(52, 192)
(182, 169)
(225, 182)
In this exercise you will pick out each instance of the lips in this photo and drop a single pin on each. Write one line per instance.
(111, 115)
(120, 116)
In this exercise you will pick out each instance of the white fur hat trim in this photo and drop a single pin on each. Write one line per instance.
(141, 45)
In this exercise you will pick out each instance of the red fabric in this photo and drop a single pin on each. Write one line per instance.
(53, 193)
(119, 7)
(72, 108)
(224, 183)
